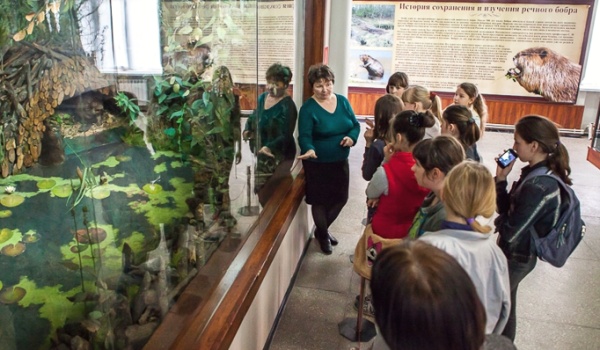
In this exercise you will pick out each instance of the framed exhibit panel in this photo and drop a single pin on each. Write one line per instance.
(527, 52)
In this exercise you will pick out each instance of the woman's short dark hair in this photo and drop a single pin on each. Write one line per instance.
(320, 71)
(541, 129)
(442, 152)
(397, 79)
(279, 72)
(424, 299)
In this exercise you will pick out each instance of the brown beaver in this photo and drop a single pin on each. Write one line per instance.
(373, 67)
(546, 73)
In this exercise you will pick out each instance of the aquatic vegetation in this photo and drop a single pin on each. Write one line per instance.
(123, 158)
(110, 162)
(5, 235)
(92, 235)
(31, 238)
(79, 248)
(5, 213)
(46, 184)
(152, 188)
(165, 206)
(160, 168)
(10, 189)
(12, 200)
(99, 193)
(11, 295)
(13, 249)
(62, 191)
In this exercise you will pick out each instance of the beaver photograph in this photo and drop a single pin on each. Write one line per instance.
(545, 72)
(373, 66)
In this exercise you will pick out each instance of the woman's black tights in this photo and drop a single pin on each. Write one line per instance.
(324, 216)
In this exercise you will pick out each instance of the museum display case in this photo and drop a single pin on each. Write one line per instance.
(593, 155)
(124, 170)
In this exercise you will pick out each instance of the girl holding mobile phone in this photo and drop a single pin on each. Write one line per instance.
(536, 204)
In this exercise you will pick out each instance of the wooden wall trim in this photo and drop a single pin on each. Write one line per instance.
(216, 328)
(501, 111)
(314, 37)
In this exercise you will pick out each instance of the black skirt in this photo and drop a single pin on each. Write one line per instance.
(326, 183)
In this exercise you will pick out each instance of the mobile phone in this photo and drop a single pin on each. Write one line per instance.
(506, 158)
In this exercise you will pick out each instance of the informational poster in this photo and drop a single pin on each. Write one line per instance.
(531, 50)
(245, 36)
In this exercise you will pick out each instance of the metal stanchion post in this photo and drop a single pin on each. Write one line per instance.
(249, 210)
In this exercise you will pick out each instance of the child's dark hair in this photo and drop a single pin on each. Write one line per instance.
(478, 101)
(386, 107)
(544, 132)
(279, 72)
(442, 152)
(397, 79)
(462, 117)
(411, 125)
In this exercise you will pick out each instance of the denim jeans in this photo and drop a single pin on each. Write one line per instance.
(516, 272)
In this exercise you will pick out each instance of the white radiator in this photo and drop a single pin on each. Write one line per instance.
(137, 86)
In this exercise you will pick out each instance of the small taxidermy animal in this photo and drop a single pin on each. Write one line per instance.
(373, 67)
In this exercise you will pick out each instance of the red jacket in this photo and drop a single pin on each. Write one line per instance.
(396, 210)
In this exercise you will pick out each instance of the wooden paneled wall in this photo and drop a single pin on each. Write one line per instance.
(501, 111)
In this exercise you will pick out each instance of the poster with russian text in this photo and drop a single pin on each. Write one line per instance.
(245, 36)
(528, 50)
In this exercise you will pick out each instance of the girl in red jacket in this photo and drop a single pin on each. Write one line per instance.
(394, 189)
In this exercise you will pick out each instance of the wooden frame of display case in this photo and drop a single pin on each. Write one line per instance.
(209, 317)
(593, 155)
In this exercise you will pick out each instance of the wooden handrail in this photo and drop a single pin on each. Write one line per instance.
(215, 327)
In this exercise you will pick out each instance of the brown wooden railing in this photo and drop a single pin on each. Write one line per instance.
(209, 318)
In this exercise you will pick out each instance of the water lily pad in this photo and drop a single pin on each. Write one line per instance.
(46, 184)
(100, 193)
(152, 188)
(5, 213)
(5, 235)
(79, 248)
(123, 158)
(12, 200)
(12, 295)
(1, 285)
(62, 191)
(90, 236)
(31, 238)
(13, 249)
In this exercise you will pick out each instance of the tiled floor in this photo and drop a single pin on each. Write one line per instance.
(557, 308)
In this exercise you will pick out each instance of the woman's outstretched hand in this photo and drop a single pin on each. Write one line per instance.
(309, 154)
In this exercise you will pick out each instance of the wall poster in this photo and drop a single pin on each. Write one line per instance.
(246, 36)
(526, 50)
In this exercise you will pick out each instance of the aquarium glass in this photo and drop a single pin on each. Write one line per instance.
(125, 165)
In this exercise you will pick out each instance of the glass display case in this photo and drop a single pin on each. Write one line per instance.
(594, 149)
(124, 158)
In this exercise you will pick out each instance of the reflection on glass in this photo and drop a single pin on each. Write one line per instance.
(119, 146)
(270, 132)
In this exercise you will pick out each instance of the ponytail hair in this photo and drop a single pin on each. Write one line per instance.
(411, 125)
(386, 107)
(469, 191)
(479, 104)
(542, 130)
(461, 116)
(430, 100)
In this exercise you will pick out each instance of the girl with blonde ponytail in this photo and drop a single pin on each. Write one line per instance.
(469, 193)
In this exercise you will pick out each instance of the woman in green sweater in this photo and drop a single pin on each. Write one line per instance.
(327, 128)
(270, 130)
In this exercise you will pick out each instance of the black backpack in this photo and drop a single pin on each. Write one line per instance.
(558, 244)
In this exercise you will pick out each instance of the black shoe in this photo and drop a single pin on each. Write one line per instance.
(325, 245)
(333, 240)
